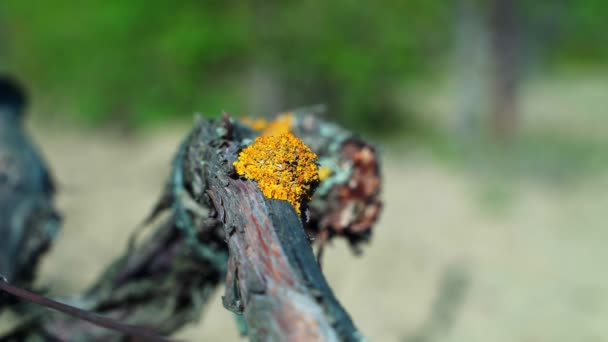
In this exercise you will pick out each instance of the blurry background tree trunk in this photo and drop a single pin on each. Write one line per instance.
(470, 64)
(505, 49)
(265, 91)
(266, 87)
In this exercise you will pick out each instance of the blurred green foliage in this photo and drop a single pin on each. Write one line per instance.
(141, 60)
(138, 61)
(129, 60)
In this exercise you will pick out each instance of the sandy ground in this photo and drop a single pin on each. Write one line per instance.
(441, 267)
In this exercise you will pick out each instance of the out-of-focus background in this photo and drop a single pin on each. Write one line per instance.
(492, 117)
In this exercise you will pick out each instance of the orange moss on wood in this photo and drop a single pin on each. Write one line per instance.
(283, 166)
(256, 124)
(281, 124)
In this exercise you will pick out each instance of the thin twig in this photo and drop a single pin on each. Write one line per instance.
(105, 322)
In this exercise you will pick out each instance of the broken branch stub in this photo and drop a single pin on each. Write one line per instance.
(347, 203)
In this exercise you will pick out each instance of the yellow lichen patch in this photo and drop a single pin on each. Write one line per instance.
(283, 166)
(257, 124)
(324, 172)
(281, 124)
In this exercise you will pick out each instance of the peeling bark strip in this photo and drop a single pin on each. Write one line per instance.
(221, 227)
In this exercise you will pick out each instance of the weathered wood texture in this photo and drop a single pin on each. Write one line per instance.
(219, 227)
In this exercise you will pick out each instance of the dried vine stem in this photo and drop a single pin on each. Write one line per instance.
(271, 276)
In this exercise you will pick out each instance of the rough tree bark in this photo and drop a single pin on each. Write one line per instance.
(219, 227)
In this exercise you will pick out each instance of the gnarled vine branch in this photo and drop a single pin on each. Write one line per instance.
(221, 228)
